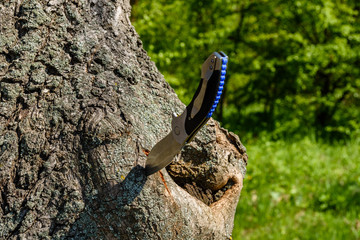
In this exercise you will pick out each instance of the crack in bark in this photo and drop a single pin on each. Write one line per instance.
(4, 200)
(23, 212)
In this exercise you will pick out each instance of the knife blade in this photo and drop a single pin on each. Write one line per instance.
(196, 114)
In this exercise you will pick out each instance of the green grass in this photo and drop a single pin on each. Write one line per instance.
(300, 190)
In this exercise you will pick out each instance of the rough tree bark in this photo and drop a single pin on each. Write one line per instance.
(81, 105)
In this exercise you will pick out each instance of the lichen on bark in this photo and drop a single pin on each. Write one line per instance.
(80, 106)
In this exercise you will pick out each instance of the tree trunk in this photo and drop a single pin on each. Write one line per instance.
(81, 106)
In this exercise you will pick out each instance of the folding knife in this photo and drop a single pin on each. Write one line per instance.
(196, 114)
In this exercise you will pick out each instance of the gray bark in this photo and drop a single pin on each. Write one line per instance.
(81, 105)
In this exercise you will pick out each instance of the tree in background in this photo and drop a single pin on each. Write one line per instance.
(294, 65)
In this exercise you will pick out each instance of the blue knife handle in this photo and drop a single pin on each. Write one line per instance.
(210, 91)
(221, 86)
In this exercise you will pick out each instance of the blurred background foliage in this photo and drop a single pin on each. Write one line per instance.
(292, 94)
(293, 65)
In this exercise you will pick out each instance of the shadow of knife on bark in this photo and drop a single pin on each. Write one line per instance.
(125, 192)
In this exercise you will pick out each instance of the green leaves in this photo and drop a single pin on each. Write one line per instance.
(293, 65)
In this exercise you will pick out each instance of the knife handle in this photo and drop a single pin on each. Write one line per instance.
(208, 93)
(205, 100)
